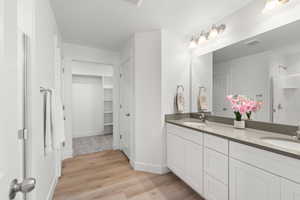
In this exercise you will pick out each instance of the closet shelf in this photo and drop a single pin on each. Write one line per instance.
(108, 112)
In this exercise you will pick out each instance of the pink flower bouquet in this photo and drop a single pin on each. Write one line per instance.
(241, 105)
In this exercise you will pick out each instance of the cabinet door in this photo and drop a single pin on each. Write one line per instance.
(216, 165)
(214, 189)
(176, 154)
(249, 183)
(290, 190)
(194, 166)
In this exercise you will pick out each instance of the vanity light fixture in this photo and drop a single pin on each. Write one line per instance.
(193, 42)
(205, 36)
(216, 30)
(202, 38)
(272, 4)
(213, 32)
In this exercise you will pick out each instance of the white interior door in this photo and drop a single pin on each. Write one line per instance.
(125, 111)
(10, 145)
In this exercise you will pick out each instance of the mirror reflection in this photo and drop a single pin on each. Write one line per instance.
(264, 69)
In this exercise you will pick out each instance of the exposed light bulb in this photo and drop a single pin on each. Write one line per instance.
(202, 38)
(213, 32)
(193, 43)
(272, 4)
(221, 28)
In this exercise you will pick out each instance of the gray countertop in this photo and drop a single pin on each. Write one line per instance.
(251, 137)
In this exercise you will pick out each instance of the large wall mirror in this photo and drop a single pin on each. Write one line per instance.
(265, 68)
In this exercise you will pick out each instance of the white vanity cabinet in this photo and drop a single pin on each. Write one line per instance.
(185, 155)
(219, 169)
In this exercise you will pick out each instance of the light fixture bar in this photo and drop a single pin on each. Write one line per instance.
(205, 36)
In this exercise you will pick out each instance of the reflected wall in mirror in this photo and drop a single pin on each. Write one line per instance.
(264, 68)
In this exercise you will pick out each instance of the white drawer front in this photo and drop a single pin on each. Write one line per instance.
(216, 143)
(275, 163)
(188, 134)
(216, 165)
(214, 190)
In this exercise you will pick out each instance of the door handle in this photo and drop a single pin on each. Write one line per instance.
(128, 115)
(25, 186)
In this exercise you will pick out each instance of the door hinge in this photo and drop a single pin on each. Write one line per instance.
(120, 75)
(63, 70)
(121, 137)
(23, 134)
(64, 107)
(121, 106)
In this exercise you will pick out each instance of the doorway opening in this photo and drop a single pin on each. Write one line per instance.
(92, 110)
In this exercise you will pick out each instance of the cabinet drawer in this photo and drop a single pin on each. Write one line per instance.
(216, 143)
(275, 163)
(188, 134)
(214, 190)
(216, 165)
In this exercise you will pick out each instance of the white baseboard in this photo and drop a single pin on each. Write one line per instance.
(52, 189)
(145, 167)
(88, 133)
(67, 153)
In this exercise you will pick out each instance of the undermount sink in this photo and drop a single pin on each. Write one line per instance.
(284, 143)
(197, 124)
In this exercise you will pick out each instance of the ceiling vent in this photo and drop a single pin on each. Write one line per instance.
(138, 3)
(252, 42)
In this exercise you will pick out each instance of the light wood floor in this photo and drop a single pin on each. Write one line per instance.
(107, 175)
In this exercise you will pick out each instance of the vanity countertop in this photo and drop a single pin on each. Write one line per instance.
(251, 137)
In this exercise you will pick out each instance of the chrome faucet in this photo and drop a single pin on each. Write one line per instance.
(298, 133)
(202, 117)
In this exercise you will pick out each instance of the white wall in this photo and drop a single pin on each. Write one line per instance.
(77, 53)
(250, 21)
(201, 76)
(175, 71)
(161, 63)
(38, 21)
(91, 69)
(87, 106)
(147, 107)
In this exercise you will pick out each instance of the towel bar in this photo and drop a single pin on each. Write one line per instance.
(46, 92)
